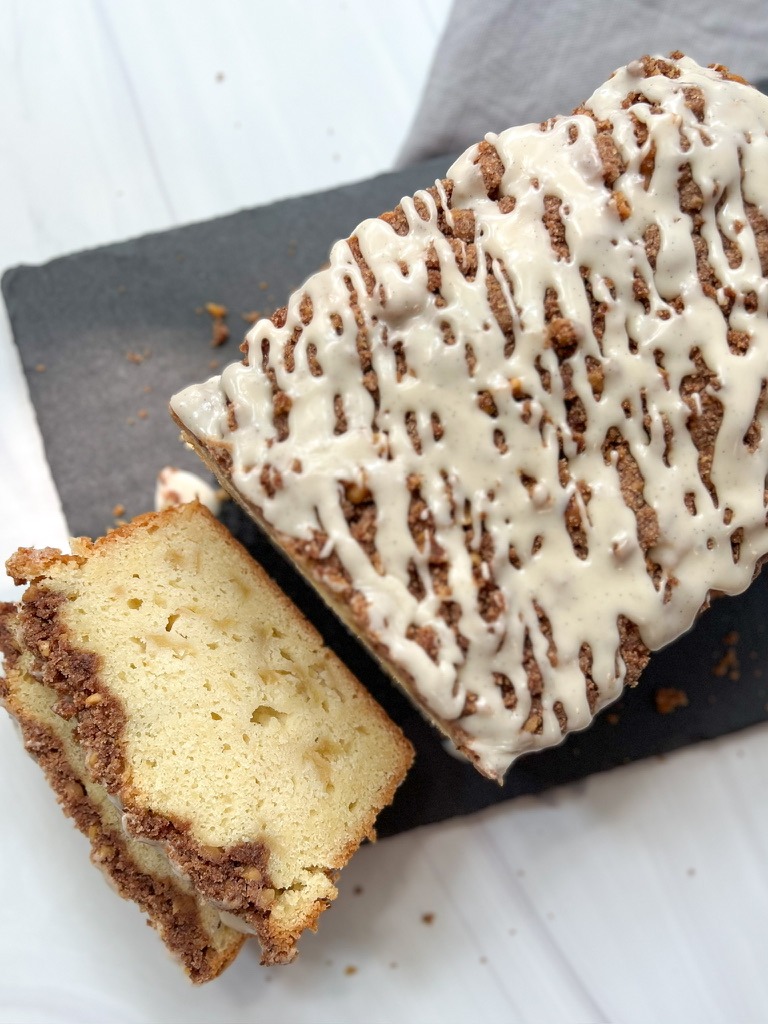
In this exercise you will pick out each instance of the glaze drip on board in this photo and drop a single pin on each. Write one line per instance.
(545, 390)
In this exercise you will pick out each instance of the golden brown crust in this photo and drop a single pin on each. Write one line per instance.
(28, 564)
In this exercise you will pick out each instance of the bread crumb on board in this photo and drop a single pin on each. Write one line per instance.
(218, 313)
(669, 699)
(729, 664)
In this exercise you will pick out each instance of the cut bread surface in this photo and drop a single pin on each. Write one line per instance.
(191, 927)
(211, 712)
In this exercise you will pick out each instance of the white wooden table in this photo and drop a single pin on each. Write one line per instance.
(640, 895)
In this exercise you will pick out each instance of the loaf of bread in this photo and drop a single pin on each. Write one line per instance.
(224, 764)
(515, 432)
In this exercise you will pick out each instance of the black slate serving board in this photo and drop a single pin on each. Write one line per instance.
(106, 336)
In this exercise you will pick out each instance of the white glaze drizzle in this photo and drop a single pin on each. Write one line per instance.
(179, 486)
(582, 598)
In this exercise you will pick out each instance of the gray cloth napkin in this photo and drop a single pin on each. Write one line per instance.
(506, 62)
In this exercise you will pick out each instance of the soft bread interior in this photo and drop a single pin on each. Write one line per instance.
(190, 926)
(238, 724)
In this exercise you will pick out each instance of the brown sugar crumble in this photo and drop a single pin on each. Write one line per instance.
(351, 969)
(251, 316)
(41, 368)
(612, 718)
(427, 918)
(118, 510)
(357, 891)
(143, 414)
(669, 699)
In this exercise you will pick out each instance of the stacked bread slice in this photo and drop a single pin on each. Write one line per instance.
(223, 763)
